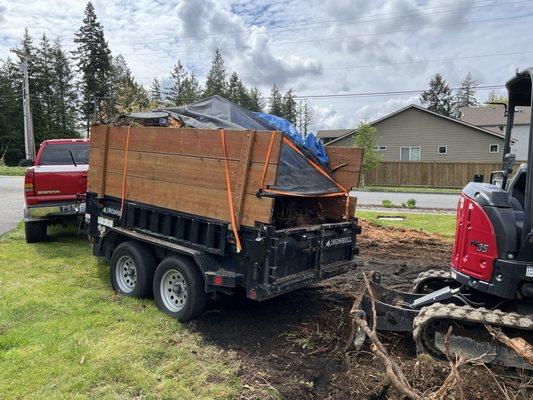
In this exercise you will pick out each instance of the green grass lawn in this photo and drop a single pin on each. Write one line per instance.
(12, 171)
(64, 334)
(443, 224)
(408, 189)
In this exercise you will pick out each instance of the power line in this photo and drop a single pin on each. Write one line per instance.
(344, 37)
(319, 24)
(329, 95)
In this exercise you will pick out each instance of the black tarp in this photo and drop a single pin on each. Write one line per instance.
(299, 173)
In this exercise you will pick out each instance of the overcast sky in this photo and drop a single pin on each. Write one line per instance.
(316, 47)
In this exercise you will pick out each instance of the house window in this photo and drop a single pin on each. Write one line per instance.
(442, 150)
(410, 153)
(494, 148)
(379, 148)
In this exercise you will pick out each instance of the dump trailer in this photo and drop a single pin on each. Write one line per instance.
(185, 213)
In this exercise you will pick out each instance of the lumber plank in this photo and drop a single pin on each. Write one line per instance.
(208, 202)
(242, 176)
(192, 142)
(187, 170)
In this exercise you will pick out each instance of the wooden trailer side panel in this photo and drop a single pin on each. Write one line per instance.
(346, 165)
(184, 169)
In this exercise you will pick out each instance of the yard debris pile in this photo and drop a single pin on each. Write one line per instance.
(294, 346)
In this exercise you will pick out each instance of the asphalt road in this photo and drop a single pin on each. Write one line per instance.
(423, 200)
(11, 201)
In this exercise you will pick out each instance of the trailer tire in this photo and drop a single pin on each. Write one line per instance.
(179, 288)
(131, 270)
(35, 231)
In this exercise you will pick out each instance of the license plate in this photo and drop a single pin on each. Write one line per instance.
(529, 272)
(105, 222)
(68, 208)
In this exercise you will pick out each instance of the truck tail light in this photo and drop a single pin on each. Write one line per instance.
(28, 182)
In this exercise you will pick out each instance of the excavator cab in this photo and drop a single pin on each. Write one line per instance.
(490, 282)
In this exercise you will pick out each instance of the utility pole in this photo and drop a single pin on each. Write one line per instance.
(29, 139)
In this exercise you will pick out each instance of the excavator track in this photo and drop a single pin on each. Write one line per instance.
(425, 281)
(469, 334)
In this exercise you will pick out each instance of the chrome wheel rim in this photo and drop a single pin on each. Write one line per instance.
(173, 290)
(126, 274)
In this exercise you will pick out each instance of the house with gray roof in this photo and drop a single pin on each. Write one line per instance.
(327, 135)
(493, 117)
(414, 133)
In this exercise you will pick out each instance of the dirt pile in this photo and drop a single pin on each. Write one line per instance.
(293, 346)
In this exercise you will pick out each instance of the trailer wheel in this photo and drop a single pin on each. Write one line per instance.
(179, 288)
(132, 270)
(35, 231)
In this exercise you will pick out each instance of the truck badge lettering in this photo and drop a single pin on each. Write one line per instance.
(49, 192)
(480, 247)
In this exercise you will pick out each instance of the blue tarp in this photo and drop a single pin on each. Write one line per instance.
(311, 143)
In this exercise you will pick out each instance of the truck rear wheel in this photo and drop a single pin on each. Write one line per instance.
(179, 288)
(132, 270)
(35, 231)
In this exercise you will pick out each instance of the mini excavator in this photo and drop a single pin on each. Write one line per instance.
(489, 286)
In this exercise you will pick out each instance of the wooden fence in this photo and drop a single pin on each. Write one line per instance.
(429, 174)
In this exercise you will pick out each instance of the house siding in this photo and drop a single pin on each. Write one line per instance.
(414, 127)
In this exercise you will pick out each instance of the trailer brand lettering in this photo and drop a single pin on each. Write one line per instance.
(339, 241)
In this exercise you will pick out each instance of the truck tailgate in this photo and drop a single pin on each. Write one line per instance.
(60, 182)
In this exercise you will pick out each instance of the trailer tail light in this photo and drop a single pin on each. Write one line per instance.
(218, 280)
(252, 294)
(475, 248)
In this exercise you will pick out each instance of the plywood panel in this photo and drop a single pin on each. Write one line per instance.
(346, 164)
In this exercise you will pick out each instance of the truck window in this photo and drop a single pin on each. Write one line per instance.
(58, 154)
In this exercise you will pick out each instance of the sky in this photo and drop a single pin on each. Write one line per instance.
(319, 48)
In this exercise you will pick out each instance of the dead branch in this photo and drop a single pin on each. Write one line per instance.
(392, 370)
(522, 348)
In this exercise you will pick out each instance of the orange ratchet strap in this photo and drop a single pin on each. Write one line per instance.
(267, 159)
(230, 197)
(125, 169)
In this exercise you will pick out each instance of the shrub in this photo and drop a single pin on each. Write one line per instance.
(411, 203)
(387, 204)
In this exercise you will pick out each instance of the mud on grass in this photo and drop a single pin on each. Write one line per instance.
(292, 347)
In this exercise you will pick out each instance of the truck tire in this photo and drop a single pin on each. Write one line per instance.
(132, 270)
(35, 232)
(179, 288)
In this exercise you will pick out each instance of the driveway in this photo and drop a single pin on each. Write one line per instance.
(423, 200)
(11, 201)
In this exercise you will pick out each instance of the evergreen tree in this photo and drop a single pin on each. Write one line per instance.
(63, 92)
(255, 102)
(129, 96)
(290, 107)
(438, 97)
(156, 99)
(466, 94)
(191, 90)
(494, 98)
(178, 75)
(305, 117)
(216, 81)
(93, 62)
(238, 93)
(276, 102)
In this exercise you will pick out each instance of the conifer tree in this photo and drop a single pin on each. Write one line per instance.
(191, 90)
(93, 62)
(466, 94)
(156, 99)
(216, 81)
(438, 97)
(276, 102)
(178, 75)
(290, 107)
(255, 102)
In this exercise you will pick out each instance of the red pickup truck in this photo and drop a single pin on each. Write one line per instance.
(54, 187)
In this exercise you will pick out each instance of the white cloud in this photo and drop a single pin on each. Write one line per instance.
(313, 46)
